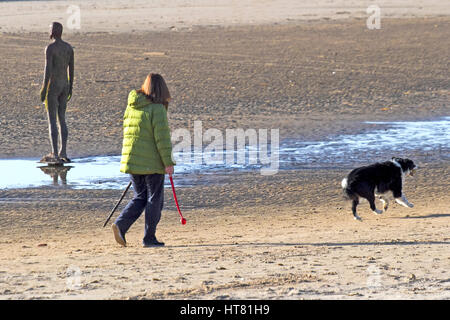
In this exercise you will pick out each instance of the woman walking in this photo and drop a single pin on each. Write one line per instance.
(146, 156)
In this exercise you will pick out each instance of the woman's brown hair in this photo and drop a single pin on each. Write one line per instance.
(155, 89)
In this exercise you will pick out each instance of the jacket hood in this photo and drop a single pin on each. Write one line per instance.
(137, 100)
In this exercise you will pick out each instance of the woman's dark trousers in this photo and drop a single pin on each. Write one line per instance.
(148, 196)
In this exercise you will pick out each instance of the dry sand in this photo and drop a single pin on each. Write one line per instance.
(156, 15)
(291, 237)
(287, 236)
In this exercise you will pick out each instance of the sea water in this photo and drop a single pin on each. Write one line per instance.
(422, 141)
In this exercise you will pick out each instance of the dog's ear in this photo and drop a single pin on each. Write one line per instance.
(401, 162)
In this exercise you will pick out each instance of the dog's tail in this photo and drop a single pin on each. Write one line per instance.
(348, 193)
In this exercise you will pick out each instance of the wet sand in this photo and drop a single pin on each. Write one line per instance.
(287, 236)
(308, 80)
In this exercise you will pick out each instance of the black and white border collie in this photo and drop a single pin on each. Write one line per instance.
(376, 180)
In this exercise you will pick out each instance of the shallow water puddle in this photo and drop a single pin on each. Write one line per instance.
(420, 140)
(425, 141)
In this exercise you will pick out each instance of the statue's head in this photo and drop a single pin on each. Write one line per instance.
(56, 30)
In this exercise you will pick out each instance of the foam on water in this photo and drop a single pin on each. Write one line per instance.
(424, 141)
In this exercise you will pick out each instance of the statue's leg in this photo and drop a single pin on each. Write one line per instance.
(52, 108)
(62, 101)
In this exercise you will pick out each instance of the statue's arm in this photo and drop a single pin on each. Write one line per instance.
(48, 65)
(71, 70)
(47, 72)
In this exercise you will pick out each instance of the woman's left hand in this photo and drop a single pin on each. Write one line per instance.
(169, 170)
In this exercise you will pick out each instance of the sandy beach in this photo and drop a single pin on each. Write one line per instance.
(122, 16)
(312, 71)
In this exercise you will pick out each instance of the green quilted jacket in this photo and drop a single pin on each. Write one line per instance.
(147, 148)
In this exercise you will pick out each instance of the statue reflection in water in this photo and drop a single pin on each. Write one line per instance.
(57, 173)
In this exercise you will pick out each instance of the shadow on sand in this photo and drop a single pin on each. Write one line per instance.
(434, 215)
(315, 244)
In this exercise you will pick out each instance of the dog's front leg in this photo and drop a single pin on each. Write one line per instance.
(385, 203)
(404, 202)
